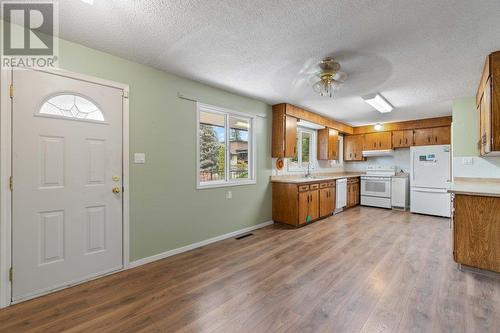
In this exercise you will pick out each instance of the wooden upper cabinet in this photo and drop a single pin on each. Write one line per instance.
(423, 137)
(353, 147)
(378, 141)
(284, 135)
(442, 135)
(348, 148)
(485, 119)
(488, 105)
(402, 139)
(432, 136)
(333, 144)
(290, 136)
(328, 144)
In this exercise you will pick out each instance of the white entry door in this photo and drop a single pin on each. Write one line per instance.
(67, 181)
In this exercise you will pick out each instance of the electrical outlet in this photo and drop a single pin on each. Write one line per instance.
(229, 195)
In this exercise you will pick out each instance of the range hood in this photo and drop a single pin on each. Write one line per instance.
(308, 124)
(374, 153)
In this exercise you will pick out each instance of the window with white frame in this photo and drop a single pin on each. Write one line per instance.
(305, 153)
(225, 141)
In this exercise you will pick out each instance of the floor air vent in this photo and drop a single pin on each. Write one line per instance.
(243, 236)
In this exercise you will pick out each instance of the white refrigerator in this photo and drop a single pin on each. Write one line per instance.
(430, 178)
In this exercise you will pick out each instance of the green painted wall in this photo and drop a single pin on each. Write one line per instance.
(465, 138)
(166, 211)
(465, 127)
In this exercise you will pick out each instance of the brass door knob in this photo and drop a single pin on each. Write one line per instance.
(116, 190)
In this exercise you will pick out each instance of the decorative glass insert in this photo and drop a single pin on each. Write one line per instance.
(71, 106)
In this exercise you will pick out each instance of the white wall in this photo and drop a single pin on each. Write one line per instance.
(488, 167)
(465, 129)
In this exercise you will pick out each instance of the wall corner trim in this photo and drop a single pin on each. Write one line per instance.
(193, 246)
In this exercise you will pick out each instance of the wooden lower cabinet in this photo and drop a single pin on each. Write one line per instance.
(309, 204)
(327, 199)
(353, 192)
(304, 203)
(476, 231)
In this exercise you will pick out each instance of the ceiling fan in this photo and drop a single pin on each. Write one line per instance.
(330, 77)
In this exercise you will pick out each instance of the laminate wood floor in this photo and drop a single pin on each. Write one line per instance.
(365, 270)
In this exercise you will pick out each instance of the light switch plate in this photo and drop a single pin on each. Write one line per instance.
(229, 195)
(139, 158)
(467, 161)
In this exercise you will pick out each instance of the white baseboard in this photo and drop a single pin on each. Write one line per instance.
(189, 247)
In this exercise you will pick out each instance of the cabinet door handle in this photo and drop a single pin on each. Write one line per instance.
(380, 144)
(436, 138)
(400, 141)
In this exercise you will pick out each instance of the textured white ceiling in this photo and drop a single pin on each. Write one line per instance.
(420, 54)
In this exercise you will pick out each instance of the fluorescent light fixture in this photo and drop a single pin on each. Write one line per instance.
(90, 2)
(378, 127)
(379, 103)
(308, 124)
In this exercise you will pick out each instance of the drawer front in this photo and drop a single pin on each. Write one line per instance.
(314, 186)
(303, 188)
(331, 184)
(323, 185)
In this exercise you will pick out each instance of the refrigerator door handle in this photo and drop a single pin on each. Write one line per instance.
(413, 165)
(430, 190)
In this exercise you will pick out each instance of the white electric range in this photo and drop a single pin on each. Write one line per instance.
(376, 186)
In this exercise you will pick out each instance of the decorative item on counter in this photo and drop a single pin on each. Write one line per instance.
(279, 164)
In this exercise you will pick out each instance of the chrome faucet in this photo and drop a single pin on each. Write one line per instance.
(308, 171)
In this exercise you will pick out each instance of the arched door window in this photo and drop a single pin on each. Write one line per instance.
(71, 106)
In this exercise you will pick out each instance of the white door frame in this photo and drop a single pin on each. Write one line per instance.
(6, 172)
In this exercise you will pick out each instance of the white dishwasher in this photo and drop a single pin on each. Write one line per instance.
(340, 194)
(400, 192)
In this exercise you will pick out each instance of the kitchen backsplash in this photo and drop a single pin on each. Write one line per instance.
(320, 167)
(400, 159)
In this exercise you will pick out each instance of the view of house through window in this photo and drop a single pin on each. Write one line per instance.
(224, 147)
(212, 146)
(238, 147)
(304, 153)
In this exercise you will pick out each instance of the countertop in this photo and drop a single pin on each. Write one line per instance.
(292, 179)
(476, 186)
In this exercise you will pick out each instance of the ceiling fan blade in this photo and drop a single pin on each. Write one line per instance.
(340, 77)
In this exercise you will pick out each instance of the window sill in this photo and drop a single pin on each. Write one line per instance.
(225, 184)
